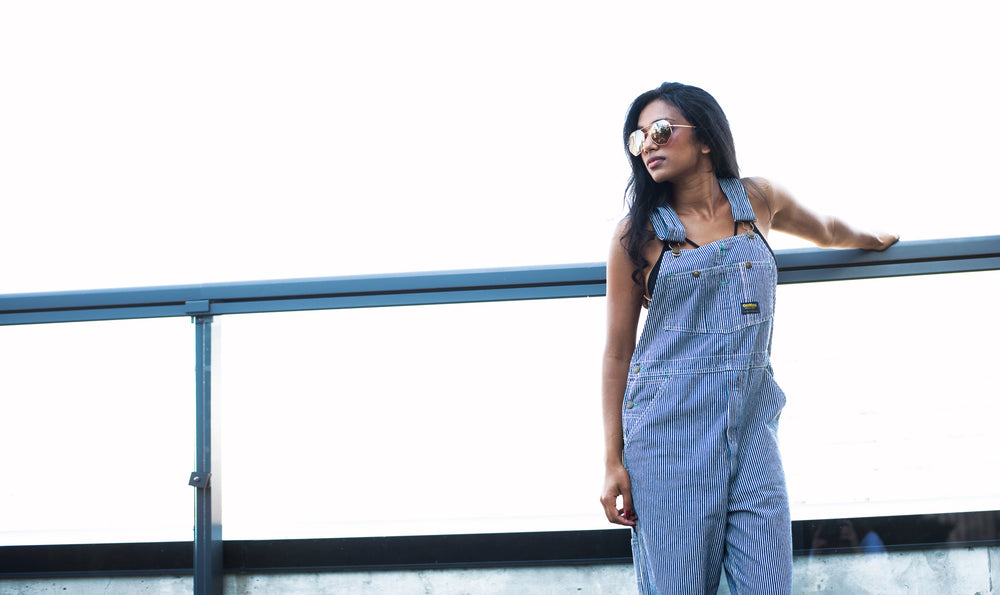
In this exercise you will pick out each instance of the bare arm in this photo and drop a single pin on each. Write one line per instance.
(790, 216)
(624, 304)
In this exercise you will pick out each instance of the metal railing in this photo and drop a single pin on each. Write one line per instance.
(446, 287)
(203, 302)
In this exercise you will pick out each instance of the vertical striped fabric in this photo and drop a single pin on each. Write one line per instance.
(700, 419)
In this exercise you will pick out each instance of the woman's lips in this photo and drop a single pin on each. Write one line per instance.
(654, 161)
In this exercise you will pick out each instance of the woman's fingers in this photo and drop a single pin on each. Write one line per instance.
(629, 510)
(617, 485)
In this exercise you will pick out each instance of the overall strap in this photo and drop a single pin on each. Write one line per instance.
(667, 225)
(742, 211)
(738, 200)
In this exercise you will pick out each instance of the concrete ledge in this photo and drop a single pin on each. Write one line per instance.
(965, 571)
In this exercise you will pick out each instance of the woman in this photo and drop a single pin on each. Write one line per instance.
(691, 410)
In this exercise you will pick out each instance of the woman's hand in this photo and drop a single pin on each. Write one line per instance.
(616, 483)
(884, 240)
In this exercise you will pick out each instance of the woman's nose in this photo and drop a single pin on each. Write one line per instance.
(647, 143)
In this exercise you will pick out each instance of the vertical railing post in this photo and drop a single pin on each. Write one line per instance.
(206, 477)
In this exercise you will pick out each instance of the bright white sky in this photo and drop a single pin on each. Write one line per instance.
(148, 143)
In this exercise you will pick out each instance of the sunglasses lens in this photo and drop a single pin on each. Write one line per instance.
(635, 141)
(660, 131)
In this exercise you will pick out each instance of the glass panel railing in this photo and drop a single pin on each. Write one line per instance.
(413, 420)
(97, 432)
(892, 404)
(485, 417)
(476, 417)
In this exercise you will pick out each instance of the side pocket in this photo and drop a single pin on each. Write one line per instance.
(641, 393)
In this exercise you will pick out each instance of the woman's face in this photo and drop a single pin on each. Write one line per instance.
(682, 153)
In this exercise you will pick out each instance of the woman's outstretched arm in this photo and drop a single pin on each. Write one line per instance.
(790, 216)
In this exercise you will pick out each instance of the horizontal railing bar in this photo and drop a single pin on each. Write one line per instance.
(952, 255)
(92, 314)
(917, 250)
(500, 294)
(321, 302)
(399, 283)
(443, 287)
(893, 269)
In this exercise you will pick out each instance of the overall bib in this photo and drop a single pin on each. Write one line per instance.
(700, 418)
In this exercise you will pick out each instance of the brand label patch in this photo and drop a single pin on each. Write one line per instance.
(750, 307)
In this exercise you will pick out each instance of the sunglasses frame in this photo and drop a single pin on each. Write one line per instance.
(635, 142)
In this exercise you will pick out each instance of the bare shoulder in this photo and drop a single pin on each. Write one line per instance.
(618, 250)
(623, 226)
(620, 231)
(761, 192)
(757, 187)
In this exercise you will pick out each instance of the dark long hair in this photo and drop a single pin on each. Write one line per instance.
(642, 194)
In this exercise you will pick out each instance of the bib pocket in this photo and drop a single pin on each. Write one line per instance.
(720, 299)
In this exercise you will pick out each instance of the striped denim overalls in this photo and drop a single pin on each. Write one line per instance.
(700, 417)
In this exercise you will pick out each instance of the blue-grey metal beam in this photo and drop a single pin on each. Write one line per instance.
(206, 479)
(925, 257)
(540, 282)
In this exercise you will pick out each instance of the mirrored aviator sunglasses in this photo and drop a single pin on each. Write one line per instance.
(659, 133)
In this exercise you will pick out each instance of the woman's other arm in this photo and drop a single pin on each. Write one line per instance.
(624, 301)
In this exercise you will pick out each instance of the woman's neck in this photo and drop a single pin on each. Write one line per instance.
(700, 196)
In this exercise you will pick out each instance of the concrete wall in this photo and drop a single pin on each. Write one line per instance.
(972, 571)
